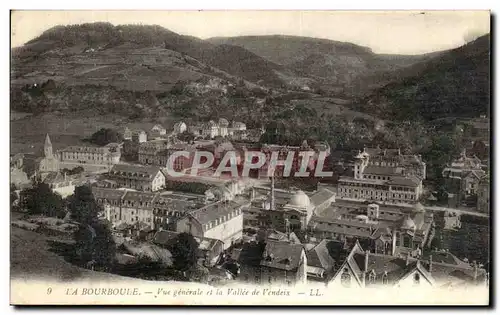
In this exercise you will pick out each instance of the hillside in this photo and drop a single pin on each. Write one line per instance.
(455, 83)
(104, 45)
(339, 63)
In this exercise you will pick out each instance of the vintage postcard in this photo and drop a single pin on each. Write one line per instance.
(250, 158)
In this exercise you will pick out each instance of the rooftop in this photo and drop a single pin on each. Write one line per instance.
(282, 255)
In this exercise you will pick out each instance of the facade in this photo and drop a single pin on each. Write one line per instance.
(362, 269)
(274, 262)
(180, 127)
(283, 151)
(138, 177)
(392, 178)
(81, 155)
(483, 195)
(139, 136)
(386, 229)
(158, 131)
(62, 184)
(152, 208)
(462, 176)
(222, 220)
(153, 153)
(285, 211)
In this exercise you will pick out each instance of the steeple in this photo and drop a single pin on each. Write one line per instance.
(47, 147)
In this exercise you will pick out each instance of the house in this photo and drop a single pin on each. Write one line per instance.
(63, 184)
(362, 269)
(462, 176)
(221, 220)
(209, 249)
(272, 262)
(180, 127)
(483, 194)
(157, 131)
(324, 258)
(138, 177)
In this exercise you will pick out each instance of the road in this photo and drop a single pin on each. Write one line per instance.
(458, 211)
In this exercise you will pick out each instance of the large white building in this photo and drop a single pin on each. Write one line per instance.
(92, 156)
(222, 220)
(393, 178)
(138, 177)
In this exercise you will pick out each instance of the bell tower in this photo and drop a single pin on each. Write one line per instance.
(47, 148)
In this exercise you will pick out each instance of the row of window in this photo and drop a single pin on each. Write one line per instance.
(222, 219)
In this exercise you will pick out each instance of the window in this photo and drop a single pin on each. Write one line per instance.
(385, 278)
(345, 278)
(416, 279)
(371, 277)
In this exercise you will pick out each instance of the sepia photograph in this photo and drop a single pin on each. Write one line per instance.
(250, 158)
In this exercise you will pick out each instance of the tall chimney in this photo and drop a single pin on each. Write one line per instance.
(273, 201)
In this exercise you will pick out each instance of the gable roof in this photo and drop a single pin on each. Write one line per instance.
(282, 255)
(326, 254)
(134, 171)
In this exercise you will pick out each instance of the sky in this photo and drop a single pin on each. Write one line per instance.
(391, 32)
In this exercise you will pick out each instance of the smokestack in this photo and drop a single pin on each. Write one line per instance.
(273, 201)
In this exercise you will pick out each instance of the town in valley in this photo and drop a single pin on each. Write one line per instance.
(96, 131)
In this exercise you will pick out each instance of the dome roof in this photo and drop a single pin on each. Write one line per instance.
(299, 199)
(408, 224)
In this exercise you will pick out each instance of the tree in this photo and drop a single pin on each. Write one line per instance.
(186, 136)
(41, 200)
(184, 252)
(105, 136)
(93, 240)
(82, 206)
(13, 195)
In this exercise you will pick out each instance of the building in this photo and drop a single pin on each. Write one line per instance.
(283, 151)
(222, 220)
(387, 229)
(272, 262)
(462, 177)
(483, 194)
(63, 184)
(18, 176)
(90, 157)
(139, 136)
(362, 269)
(127, 134)
(223, 127)
(392, 178)
(50, 162)
(209, 249)
(138, 177)
(153, 208)
(154, 152)
(283, 210)
(157, 131)
(180, 127)
(324, 259)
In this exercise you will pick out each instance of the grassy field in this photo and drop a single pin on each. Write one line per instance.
(27, 134)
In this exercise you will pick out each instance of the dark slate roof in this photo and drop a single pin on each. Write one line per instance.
(281, 255)
(108, 193)
(326, 254)
(250, 254)
(381, 170)
(409, 181)
(140, 196)
(134, 171)
(166, 238)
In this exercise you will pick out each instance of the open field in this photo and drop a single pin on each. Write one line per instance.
(28, 133)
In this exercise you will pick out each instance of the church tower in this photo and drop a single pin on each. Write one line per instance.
(47, 148)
